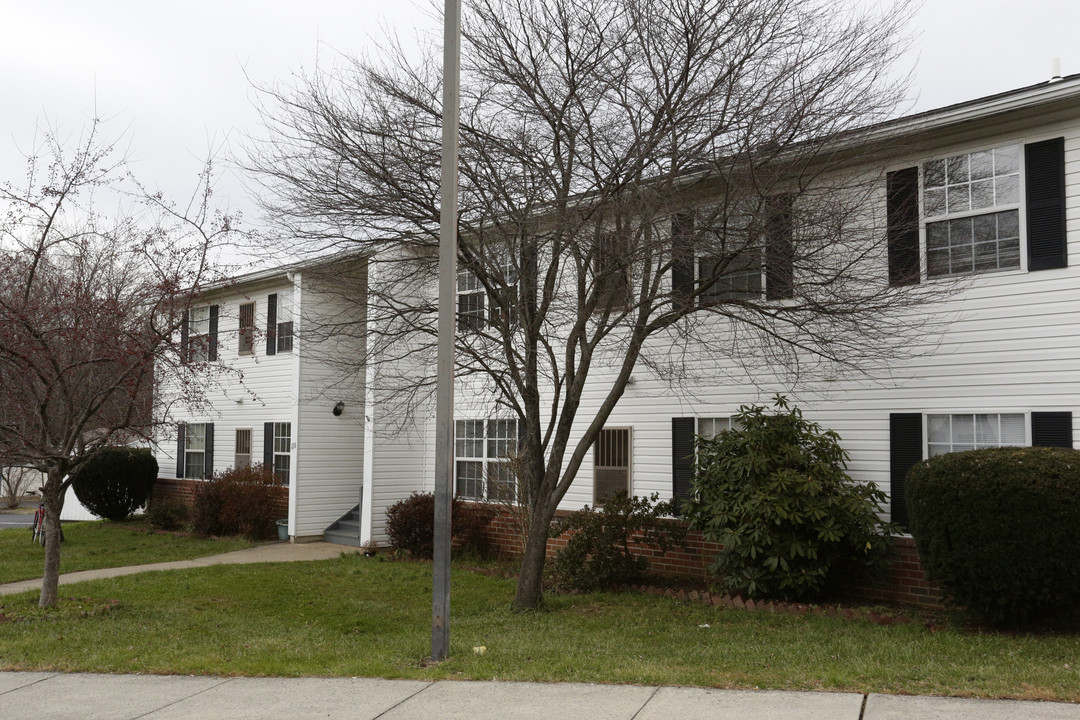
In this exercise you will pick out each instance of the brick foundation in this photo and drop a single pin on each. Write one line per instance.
(904, 581)
(184, 489)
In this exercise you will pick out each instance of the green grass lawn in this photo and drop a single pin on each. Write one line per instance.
(356, 616)
(103, 544)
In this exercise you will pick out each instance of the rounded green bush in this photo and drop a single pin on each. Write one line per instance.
(114, 482)
(998, 530)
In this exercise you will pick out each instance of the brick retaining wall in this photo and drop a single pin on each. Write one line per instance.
(904, 581)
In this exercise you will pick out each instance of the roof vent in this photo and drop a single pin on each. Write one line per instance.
(1055, 70)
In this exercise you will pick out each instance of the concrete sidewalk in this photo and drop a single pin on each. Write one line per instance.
(270, 552)
(32, 696)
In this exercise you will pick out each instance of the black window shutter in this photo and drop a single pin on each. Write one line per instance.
(682, 459)
(212, 340)
(184, 342)
(208, 456)
(905, 449)
(682, 263)
(902, 232)
(271, 324)
(1045, 190)
(180, 450)
(268, 444)
(1051, 429)
(779, 248)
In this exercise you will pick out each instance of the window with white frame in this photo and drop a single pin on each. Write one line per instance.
(282, 452)
(974, 431)
(971, 207)
(470, 301)
(482, 452)
(741, 276)
(243, 448)
(709, 428)
(246, 332)
(195, 450)
(284, 329)
(198, 334)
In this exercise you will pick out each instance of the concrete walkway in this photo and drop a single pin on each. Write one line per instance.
(270, 552)
(61, 696)
(32, 696)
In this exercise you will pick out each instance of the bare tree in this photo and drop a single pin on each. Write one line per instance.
(644, 184)
(90, 312)
(14, 482)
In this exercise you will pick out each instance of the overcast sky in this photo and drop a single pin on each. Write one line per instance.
(175, 78)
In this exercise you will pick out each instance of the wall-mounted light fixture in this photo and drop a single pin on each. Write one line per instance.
(339, 408)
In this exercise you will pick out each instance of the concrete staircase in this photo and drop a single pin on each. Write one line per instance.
(345, 530)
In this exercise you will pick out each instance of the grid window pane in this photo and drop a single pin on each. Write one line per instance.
(480, 449)
(285, 336)
(282, 450)
(981, 242)
(467, 281)
(469, 438)
(740, 278)
(502, 438)
(195, 437)
(199, 320)
(194, 464)
(502, 484)
(708, 428)
(1007, 160)
(282, 437)
(971, 431)
(969, 185)
(470, 479)
(282, 469)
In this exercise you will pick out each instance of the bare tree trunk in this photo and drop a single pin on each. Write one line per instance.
(530, 586)
(54, 503)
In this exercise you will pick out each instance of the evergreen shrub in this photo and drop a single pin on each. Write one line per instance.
(597, 553)
(114, 482)
(775, 493)
(998, 530)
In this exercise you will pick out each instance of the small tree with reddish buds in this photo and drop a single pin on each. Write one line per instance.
(90, 312)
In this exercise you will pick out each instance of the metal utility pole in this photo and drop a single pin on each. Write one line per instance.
(444, 399)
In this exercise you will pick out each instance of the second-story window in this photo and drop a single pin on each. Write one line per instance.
(470, 301)
(246, 334)
(198, 334)
(971, 207)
